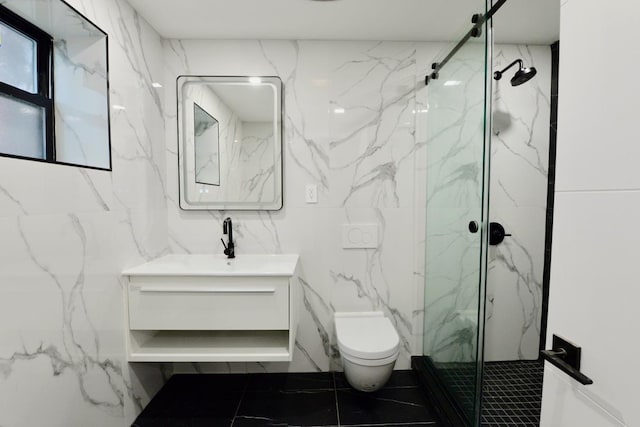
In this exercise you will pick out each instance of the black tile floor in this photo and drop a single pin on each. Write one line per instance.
(310, 399)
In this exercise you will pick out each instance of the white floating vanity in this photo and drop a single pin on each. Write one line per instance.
(207, 308)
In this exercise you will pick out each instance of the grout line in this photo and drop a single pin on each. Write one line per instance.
(335, 394)
(244, 391)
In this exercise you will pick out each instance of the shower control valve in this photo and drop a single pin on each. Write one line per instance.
(496, 233)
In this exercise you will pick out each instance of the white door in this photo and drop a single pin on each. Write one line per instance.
(595, 267)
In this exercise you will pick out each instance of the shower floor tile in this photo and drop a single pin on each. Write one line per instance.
(512, 394)
(512, 391)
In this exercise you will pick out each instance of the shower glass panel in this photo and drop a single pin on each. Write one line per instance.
(457, 152)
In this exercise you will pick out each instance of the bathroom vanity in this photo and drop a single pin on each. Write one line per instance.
(207, 308)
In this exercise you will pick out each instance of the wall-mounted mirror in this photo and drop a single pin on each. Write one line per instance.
(230, 142)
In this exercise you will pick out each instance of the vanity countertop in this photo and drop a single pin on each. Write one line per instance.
(217, 265)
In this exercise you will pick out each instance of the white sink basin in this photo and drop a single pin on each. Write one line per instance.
(217, 265)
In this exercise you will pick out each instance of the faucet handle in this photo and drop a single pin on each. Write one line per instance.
(228, 251)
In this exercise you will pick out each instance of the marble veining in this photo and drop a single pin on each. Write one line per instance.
(300, 399)
(352, 126)
(520, 162)
(349, 120)
(13, 200)
(69, 232)
(79, 351)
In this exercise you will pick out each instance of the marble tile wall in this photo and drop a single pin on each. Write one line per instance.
(354, 126)
(67, 232)
(349, 128)
(518, 200)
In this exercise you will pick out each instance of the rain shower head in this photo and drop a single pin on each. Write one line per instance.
(523, 74)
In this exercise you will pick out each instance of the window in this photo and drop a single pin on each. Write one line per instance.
(54, 85)
(26, 102)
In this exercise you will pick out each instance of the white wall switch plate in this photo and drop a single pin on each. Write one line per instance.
(311, 193)
(360, 236)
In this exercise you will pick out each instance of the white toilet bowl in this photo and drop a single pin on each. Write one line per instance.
(369, 346)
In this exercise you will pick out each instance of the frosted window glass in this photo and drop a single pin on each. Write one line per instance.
(17, 59)
(21, 128)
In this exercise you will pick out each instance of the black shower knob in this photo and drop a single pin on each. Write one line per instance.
(496, 233)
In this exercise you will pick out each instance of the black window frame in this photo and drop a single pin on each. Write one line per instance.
(44, 71)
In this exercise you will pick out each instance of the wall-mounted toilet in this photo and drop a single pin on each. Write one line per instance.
(369, 346)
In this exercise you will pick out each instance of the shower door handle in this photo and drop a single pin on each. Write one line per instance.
(473, 226)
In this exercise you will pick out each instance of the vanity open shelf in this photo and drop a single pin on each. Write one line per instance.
(205, 308)
(209, 346)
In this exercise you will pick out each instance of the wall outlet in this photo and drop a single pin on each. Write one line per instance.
(360, 236)
(311, 193)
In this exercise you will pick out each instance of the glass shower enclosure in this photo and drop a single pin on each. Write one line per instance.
(457, 172)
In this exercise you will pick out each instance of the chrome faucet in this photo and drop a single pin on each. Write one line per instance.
(229, 248)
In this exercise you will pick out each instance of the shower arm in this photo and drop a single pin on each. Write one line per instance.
(498, 74)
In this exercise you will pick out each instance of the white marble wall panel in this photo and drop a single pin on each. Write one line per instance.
(519, 166)
(67, 234)
(349, 128)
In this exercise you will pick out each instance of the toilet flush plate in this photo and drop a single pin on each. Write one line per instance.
(360, 236)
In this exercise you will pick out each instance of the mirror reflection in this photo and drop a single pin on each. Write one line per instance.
(205, 135)
(230, 142)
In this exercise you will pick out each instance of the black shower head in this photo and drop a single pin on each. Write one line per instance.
(523, 74)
